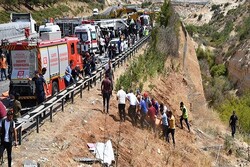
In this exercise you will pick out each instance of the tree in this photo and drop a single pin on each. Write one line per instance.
(165, 14)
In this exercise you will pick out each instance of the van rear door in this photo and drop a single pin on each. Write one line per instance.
(24, 63)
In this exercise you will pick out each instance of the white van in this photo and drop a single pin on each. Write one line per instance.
(49, 31)
(95, 12)
(48, 27)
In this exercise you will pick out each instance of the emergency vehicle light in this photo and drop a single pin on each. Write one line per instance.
(92, 22)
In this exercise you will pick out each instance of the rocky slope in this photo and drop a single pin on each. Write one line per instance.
(234, 52)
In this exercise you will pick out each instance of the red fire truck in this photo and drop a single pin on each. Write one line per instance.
(54, 55)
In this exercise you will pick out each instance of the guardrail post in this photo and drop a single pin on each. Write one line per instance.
(122, 57)
(20, 135)
(88, 84)
(72, 97)
(118, 62)
(100, 75)
(37, 123)
(81, 91)
(125, 57)
(62, 104)
(51, 113)
(113, 64)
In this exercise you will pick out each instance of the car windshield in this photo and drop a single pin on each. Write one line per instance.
(83, 36)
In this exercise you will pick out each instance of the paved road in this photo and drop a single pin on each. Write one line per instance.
(108, 10)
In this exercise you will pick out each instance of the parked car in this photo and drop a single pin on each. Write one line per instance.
(95, 12)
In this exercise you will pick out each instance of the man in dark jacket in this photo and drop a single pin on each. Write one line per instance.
(232, 122)
(106, 89)
(8, 131)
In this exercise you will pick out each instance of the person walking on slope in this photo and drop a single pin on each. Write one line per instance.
(184, 115)
(106, 89)
(171, 128)
(109, 71)
(121, 97)
(8, 131)
(164, 120)
(152, 115)
(143, 112)
(132, 107)
(233, 122)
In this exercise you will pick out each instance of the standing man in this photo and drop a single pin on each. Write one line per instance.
(184, 115)
(233, 122)
(143, 111)
(106, 89)
(121, 97)
(152, 115)
(68, 76)
(109, 71)
(3, 66)
(8, 131)
(16, 107)
(132, 107)
(171, 128)
(164, 120)
(40, 83)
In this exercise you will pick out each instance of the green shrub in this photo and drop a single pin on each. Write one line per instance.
(5, 17)
(218, 70)
(165, 13)
(244, 30)
(146, 4)
(191, 29)
(215, 7)
(199, 17)
(241, 105)
(205, 54)
(53, 12)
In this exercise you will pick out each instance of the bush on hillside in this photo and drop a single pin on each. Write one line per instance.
(205, 54)
(244, 30)
(146, 4)
(242, 107)
(218, 70)
(165, 13)
(199, 17)
(215, 89)
(191, 29)
(215, 7)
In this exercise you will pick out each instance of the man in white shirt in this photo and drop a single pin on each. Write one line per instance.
(121, 97)
(7, 127)
(132, 108)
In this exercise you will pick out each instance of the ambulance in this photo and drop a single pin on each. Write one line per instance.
(88, 36)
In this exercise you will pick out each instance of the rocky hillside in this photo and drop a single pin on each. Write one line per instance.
(64, 8)
(224, 28)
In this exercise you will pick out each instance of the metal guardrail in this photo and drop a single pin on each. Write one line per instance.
(40, 112)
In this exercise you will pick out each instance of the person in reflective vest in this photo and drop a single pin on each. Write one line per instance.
(184, 115)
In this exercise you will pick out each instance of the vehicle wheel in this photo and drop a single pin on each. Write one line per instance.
(55, 88)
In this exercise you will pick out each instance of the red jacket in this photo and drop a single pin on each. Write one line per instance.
(3, 111)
